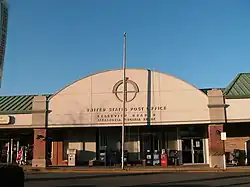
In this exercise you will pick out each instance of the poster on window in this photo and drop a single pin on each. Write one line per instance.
(197, 144)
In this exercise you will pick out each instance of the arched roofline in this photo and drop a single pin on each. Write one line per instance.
(105, 71)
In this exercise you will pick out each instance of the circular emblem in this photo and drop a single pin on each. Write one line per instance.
(131, 90)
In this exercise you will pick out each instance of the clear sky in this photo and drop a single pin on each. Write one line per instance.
(54, 42)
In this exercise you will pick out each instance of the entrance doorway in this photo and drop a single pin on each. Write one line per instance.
(192, 151)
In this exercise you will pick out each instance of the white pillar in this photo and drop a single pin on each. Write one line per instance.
(206, 151)
(11, 150)
(8, 152)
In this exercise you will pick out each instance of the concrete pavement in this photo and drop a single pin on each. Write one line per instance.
(134, 169)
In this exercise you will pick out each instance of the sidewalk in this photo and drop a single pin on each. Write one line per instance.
(148, 169)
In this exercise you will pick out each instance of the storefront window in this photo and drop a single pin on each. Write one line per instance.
(171, 138)
(65, 148)
(193, 131)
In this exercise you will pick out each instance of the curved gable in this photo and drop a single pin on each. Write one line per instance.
(96, 100)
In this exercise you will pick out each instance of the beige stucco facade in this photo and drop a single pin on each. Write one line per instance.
(237, 110)
(18, 121)
(91, 101)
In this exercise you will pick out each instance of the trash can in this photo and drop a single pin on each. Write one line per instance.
(176, 158)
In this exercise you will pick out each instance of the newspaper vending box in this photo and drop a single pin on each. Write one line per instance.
(71, 157)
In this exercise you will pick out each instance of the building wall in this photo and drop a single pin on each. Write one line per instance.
(236, 111)
(18, 121)
(91, 101)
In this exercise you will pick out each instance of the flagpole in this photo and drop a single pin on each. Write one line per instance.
(124, 96)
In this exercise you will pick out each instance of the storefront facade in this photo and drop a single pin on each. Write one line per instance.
(162, 112)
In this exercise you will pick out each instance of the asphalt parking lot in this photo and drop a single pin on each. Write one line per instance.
(175, 179)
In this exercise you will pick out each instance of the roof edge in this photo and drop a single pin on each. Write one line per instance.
(16, 112)
(237, 97)
(26, 95)
(230, 86)
(110, 70)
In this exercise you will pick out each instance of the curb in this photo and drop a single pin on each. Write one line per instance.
(37, 171)
(120, 171)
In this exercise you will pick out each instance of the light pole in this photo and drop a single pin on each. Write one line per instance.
(124, 97)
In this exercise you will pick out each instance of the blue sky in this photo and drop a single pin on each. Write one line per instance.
(54, 42)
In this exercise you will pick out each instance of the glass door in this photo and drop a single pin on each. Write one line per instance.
(192, 151)
(187, 156)
(198, 152)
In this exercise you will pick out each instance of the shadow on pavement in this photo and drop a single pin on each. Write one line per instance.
(149, 185)
(166, 185)
(234, 184)
(79, 186)
(184, 183)
(210, 179)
